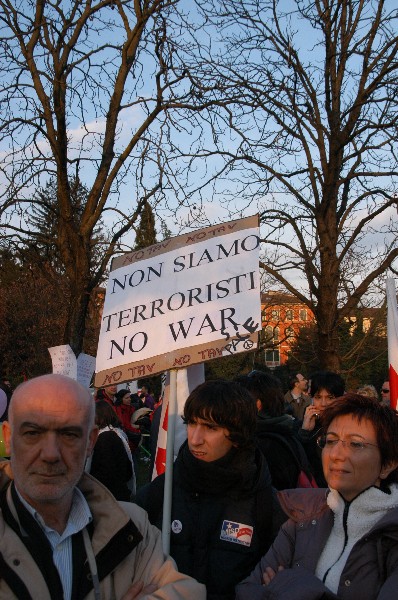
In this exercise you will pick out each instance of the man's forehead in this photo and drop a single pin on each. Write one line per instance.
(40, 410)
(41, 398)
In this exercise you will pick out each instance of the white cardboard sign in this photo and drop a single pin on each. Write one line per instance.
(65, 363)
(181, 302)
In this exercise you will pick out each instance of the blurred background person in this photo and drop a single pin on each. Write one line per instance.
(296, 398)
(276, 433)
(6, 386)
(369, 391)
(111, 462)
(385, 393)
(107, 393)
(326, 386)
(125, 412)
(148, 401)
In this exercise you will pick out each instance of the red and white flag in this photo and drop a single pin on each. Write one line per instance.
(392, 336)
(187, 380)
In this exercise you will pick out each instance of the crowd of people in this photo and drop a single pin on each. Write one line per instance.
(283, 496)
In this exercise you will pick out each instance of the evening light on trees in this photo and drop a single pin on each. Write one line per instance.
(307, 126)
(82, 85)
(284, 108)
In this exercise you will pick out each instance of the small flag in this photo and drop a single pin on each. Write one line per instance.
(392, 337)
(187, 380)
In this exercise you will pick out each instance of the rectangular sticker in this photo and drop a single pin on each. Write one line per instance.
(238, 533)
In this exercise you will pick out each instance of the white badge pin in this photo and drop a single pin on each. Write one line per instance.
(176, 526)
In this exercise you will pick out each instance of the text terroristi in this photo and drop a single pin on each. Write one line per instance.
(159, 306)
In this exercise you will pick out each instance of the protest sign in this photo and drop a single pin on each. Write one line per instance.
(85, 368)
(181, 302)
(65, 363)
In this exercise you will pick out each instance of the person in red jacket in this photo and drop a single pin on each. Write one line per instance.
(107, 393)
(125, 411)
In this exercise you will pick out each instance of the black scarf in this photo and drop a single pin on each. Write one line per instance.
(235, 474)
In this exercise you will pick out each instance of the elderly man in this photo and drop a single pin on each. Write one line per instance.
(63, 535)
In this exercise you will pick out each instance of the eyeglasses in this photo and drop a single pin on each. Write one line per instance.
(384, 391)
(327, 442)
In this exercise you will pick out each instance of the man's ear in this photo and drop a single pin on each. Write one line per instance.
(387, 469)
(92, 438)
(258, 404)
(7, 437)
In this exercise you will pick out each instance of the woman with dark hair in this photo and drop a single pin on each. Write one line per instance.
(222, 507)
(276, 433)
(111, 461)
(325, 387)
(340, 543)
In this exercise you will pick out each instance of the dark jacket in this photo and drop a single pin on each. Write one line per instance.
(148, 401)
(221, 517)
(111, 465)
(371, 570)
(314, 453)
(285, 459)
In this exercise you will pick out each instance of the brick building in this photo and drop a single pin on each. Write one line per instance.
(283, 315)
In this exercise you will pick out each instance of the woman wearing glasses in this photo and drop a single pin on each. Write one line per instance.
(341, 542)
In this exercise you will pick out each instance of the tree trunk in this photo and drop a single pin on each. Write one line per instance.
(327, 307)
(329, 358)
(76, 255)
(75, 328)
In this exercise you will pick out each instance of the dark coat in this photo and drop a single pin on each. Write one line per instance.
(371, 570)
(221, 517)
(314, 453)
(111, 465)
(284, 461)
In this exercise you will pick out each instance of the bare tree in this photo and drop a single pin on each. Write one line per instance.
(307, 124)
(83, 86)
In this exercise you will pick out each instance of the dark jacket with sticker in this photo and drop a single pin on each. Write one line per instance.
(371, 570)
(127, 549)
(222, 517)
